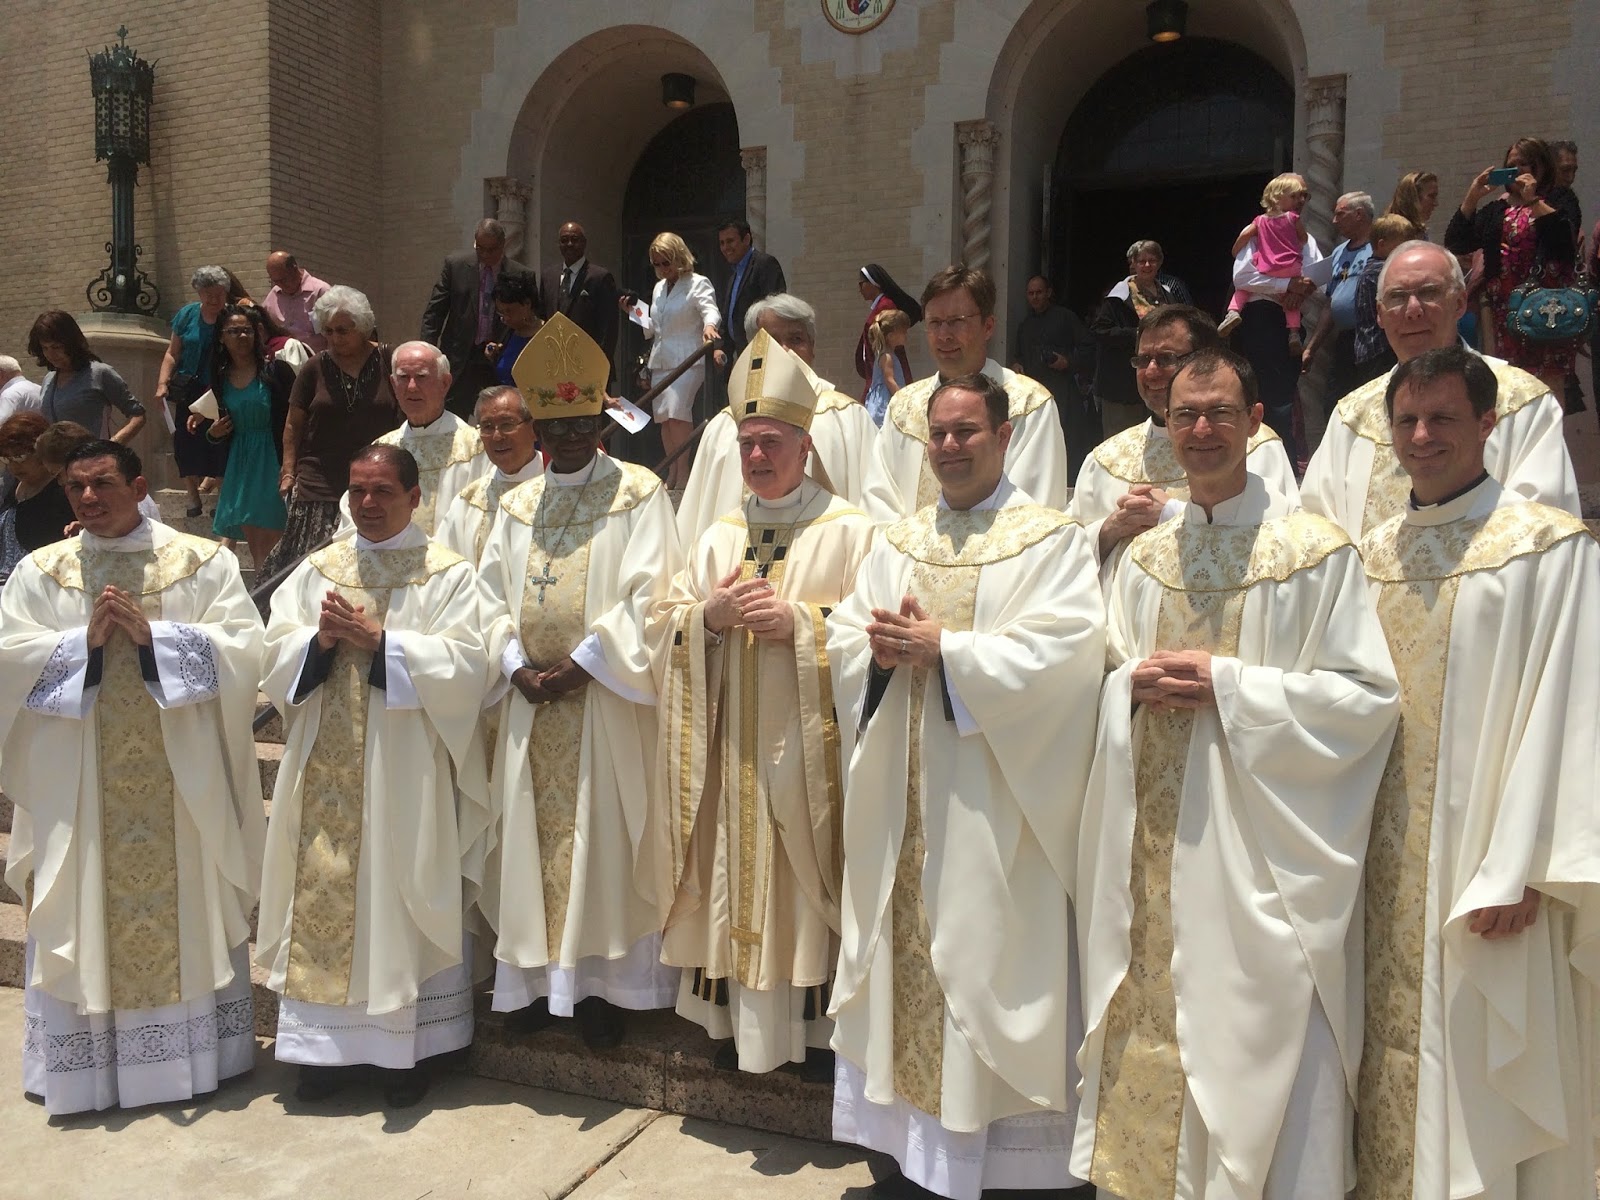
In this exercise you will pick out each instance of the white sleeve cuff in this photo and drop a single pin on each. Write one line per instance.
(1172, 509)
(399, 693)
(512, 659)
(592, 659)
(59, 691)
(965, 725)
(186, 665)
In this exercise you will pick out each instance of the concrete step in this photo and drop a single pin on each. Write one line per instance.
(269, 756)
(7, 896)
(5, 812)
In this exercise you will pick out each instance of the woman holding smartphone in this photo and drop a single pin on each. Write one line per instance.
(1524, 239)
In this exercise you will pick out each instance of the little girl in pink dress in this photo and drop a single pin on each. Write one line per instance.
(1278, 238)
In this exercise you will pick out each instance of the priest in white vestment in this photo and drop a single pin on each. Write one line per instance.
(749, 753)
(128, 664)
(377, 661)
(448, 451)
(958, 312)
(1133, 480)
(1354, 477)
(572, 567)
(842, 432)
(505, 425)
(1243, 729)
(969, 658)
(1483, 871)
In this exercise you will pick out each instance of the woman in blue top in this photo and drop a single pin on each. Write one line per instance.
(186, 376)
(517, 303)
(252, 390)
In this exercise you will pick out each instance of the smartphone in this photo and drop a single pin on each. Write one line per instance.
(1501, 176)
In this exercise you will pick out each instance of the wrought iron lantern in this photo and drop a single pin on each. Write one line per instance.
(123, 84)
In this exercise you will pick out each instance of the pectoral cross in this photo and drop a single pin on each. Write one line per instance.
(1550, 310)
(543, 581)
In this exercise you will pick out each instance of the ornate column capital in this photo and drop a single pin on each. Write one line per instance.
(976, 141)
(511, 196)
(754, 161)
(1325, 101)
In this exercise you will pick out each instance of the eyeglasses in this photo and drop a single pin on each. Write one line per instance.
(1429, 296)
(950, 324)
(1224, 416)
(502, 428)
(1166, 360)
(572, 426)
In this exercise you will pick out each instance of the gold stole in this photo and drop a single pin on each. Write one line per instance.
(322, 928)
(1137, 456)
(1419, 569)
(1205, 572)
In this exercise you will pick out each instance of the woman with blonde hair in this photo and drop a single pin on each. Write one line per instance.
(886, 334)
(683, 316)
(1415, 198)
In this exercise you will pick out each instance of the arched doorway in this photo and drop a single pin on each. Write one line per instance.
(1174, 143)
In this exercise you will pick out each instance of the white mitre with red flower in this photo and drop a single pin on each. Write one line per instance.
(562, 372)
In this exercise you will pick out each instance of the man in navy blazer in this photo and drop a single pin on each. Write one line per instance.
(754, 275)
(460, 317)
(581, 290)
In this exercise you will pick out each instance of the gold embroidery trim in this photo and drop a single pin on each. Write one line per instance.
(1398, 551)
(973, 537)
(1190, 556)
(67, 562)
(433, 454)
(613, 488)
(1136, 455)
(344, 566)
(908, 408)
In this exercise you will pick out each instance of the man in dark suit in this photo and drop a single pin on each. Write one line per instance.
(755, 275)
(460, 317)
(582, 290)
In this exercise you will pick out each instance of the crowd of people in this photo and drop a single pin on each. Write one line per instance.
(1094, 808)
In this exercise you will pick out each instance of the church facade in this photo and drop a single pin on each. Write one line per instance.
(1025, 135)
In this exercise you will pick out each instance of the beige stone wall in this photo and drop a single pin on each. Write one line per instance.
(205, 197)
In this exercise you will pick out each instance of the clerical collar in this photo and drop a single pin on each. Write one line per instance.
(1473, 500)
(419, 430)
(995, 499)
(531, 468)
(398, 542)
(990, 368)
(1252, 505)
(1455, 495)
(140, 537)
(579, 477)
(1158, 427)
(787, 500)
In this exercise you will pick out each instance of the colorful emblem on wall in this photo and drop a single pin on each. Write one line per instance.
(856, 16)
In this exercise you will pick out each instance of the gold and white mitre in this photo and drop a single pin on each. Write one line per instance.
(769, 381)
(562, 372)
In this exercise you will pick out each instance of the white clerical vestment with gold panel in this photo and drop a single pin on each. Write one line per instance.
(466, 523)
(956, 997)
(842, 434)
(449, 456)
(752, 778)
(1355, 479)
(1479, 1068)
(572, 567)
(381, 791)
(1219, 862)
(899, 480)
(137, 835)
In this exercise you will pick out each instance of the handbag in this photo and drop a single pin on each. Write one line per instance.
(1552, 315)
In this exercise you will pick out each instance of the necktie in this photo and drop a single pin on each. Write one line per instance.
(566, 286)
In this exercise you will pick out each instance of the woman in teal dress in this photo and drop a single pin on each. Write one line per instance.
(252, 391)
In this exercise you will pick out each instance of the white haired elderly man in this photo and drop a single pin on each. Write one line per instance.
(18, 393)
(842, 432)
(448, 451)
(1352, 217)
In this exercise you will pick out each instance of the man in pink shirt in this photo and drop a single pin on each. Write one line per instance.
(293, 293)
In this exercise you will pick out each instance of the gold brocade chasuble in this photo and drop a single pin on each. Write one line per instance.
(138, 826)
(1137, 455)
(1419, 569)
(433, 454)
(1205, 572)
(484, 495)
(323, 926)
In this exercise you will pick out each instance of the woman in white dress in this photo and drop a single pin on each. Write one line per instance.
(683, 315)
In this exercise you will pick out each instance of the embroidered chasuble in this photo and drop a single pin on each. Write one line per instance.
(464, 525)
(1355, 479)
(1221, 843)
(750, 752)
(381, 788)
(571, 569)
(899, 480)
(138, 826)
(1489, 606)
(953, 991)
(449, 456)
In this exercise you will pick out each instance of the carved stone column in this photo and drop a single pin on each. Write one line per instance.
(511, 196)
(754, 161)
(977, 140)
(1325, 105)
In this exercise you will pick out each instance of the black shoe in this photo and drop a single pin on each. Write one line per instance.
(897, 1187)
(402, 1089)
(727, 1057)
(818, 1066)
(318, 1083)
(600, 1022)
(193, 511)
(530, 1020)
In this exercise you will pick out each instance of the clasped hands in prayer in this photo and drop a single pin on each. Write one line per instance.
(342, 621)
(1173, 679)
(542, 687)
(751, 603)
(115, 609)
(909, 636)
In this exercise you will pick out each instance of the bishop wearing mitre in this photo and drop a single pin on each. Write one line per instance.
(969, 656)
(572, 567)
(376, 659)
(750, 749)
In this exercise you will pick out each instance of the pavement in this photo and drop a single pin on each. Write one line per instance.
(471, 1138)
